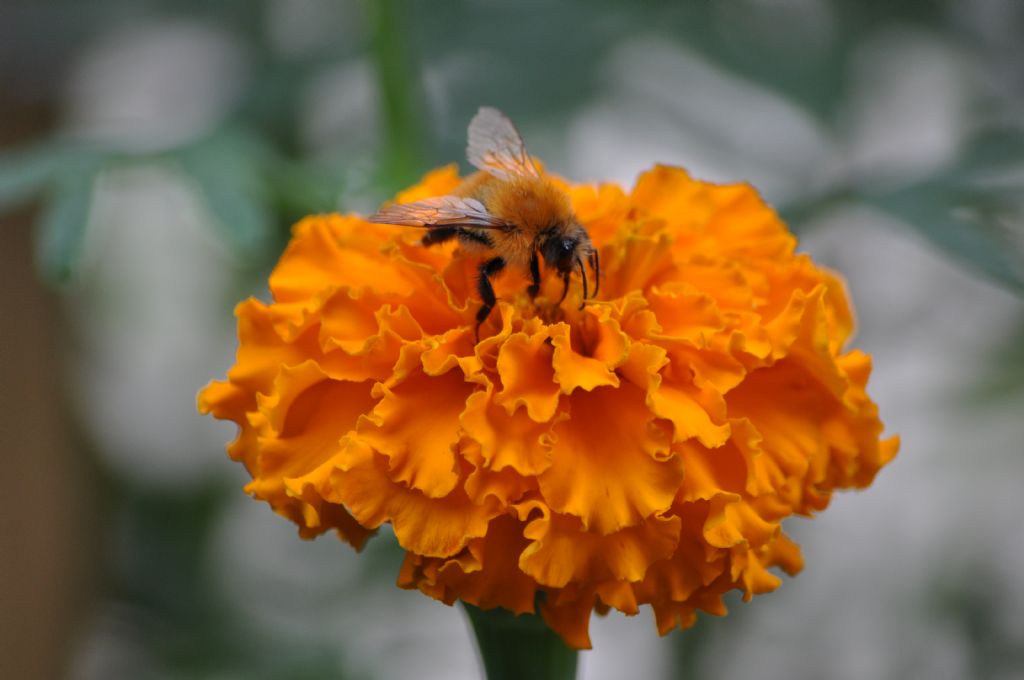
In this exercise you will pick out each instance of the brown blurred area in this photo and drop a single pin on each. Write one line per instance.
(47, 544)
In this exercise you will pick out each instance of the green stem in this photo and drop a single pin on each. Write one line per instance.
(514, 647)
(402, 102)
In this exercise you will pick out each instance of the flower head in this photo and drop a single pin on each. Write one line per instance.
(641, 450)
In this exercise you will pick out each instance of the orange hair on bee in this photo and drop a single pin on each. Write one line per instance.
(530, 203)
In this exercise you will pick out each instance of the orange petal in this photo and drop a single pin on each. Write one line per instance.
(438, 182)
(718, 370)
(562, 551)
(812, 345)
(506, 441)
(688, 410)
(224, 401)
(454, 348)
(611, 464)
(710, 472)
(783, 552)
(506, 486)
(731, 522)
(617, 594)
(328, 251)
(416, 425)
(636, 263)
(308, 414)
(731, 285)
(314, 515)
(527, 378)
(261, 349)
(601, 209)
(669, 616)
(570, 618)
(499, 582)
(353, 321)
(744, 225)
(373, 357)
(670, 194)
(643, 364)
(575, 371)
(685, 315)
(434, 527)
(693, 566)
(751, 574)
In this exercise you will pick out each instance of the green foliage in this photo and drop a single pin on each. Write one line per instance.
(973, 211)
(230, 168)
(25, 173)
(971, 225)
(522, 646)
(61, 228)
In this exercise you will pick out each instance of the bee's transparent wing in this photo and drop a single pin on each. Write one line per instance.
(496, 147)
(442, 211)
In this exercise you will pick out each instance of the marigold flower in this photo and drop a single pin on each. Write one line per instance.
(642, 450)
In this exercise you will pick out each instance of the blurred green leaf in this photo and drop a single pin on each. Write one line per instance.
(60, 231)
(230, 168)
(971, 224)
(305, 188)
(800, 213)
(1003, 376)
(995, 148)
(399, 84)
(26, 172)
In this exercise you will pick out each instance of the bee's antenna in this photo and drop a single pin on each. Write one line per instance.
(597, 271)
(583, 273)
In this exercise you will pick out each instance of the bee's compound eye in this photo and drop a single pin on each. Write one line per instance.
(568, 246)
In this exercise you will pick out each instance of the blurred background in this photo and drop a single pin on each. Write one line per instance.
(155, 153)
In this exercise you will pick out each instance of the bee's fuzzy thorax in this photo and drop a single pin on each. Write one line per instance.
(531, 203)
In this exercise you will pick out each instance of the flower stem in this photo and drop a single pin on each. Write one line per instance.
(523, 646)
(402, 100)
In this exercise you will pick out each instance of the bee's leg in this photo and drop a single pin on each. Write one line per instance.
(565, 286)
(487, 270)
(439, 235)
(534, 277)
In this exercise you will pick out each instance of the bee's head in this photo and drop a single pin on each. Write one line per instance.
(563, 245)
(566, 247)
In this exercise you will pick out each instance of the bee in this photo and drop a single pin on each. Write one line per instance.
(507, 213)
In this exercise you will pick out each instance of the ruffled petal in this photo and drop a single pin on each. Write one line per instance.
(527, 377)
(687, 408)
(416, 426)
(434, 527)
(438, 182)
(568, 614)
(575, 371)
(611, 463)
(498, 582)
(308, 415)
(602, 209)
(684, 315)
(328, 251)
(506, 440)
(562, 551)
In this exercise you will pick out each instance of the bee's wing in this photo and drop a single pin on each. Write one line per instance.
(496, 147)
(442, 211)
